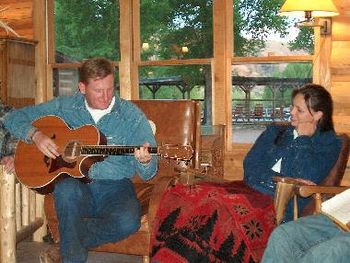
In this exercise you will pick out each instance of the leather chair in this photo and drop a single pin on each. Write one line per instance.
(288, 188)
(177, 122)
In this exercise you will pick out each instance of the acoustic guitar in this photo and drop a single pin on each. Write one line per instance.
(79, 149)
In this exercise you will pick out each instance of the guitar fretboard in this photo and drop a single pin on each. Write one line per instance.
(113, 150)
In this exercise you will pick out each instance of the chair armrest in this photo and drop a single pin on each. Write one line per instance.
(307, 190)
(163, 183)
(291, 180)
(285, 190)
(316, 191)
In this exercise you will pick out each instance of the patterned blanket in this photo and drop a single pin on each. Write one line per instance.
(211, 222)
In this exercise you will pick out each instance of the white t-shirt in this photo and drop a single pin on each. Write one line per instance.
(277, 166)
(97, 114)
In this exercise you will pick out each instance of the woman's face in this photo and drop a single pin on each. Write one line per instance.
(300, 114)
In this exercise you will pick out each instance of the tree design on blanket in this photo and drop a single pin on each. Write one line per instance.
(195, 241)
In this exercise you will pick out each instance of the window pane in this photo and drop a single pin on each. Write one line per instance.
(178, 82)
(65, 81)
(176, 29)
(259, 31)
(87, 28)
(262, 94)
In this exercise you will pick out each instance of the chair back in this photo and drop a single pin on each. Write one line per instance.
(177, 122)
(336, 174)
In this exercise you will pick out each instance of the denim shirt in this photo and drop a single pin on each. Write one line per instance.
(304, 157)
(124, 125)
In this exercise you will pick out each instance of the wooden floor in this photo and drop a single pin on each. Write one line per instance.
(28, 252)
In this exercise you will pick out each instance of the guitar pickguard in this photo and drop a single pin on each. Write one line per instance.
(55, 164)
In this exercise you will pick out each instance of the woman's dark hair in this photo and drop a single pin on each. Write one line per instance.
(318, 98)
(95, 68)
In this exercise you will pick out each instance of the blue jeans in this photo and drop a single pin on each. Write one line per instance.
(93, 214)
(309, 239)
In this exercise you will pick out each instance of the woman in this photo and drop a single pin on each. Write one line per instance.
(231, 222)
(307, 148)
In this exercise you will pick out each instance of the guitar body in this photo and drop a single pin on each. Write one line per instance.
(38, 172)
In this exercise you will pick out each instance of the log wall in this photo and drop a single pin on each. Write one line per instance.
(340, 72)
(19, 16)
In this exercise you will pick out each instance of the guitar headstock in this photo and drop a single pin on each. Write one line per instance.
(176, 152)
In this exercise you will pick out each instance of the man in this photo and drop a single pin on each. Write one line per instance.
(105, 210)
(7, 142)
(308, 239)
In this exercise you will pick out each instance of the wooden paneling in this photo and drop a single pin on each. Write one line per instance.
(341, 98)
(17, 67)
(340, 56)
(340, 69)
(19, 16)
(234, 161)
(343, 7)
(340, 28)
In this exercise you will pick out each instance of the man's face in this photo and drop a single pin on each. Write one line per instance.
(98, 92)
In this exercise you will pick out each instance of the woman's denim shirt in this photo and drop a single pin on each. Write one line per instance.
(305, 157)
(124, 125)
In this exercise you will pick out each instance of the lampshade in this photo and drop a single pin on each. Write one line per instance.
(317, 8)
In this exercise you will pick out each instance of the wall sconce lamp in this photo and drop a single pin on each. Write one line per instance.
(184, 50)
(322, 9)
(145, 46)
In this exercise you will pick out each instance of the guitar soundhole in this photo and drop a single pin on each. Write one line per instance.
(71, 151)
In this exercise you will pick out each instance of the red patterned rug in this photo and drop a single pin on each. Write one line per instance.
(212, 222)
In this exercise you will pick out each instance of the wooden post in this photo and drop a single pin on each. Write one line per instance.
(322, 57)
(18, 206)
(128, 71)
(221, 67)
(8, 221)
(39, 213)
(40, 29)
(25, 206)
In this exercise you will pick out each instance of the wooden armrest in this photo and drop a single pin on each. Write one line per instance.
(285, 190)
(306, 190)
(159, 188)
(291, 180)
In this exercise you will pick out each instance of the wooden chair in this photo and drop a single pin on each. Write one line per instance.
(237, 113)
(288, 188)
(258, 113)
(177, 122)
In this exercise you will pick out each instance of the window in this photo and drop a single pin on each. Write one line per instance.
(85, 29)
(271, 57)
(176, 29)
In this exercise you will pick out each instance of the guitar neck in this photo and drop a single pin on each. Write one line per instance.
(113, 150)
